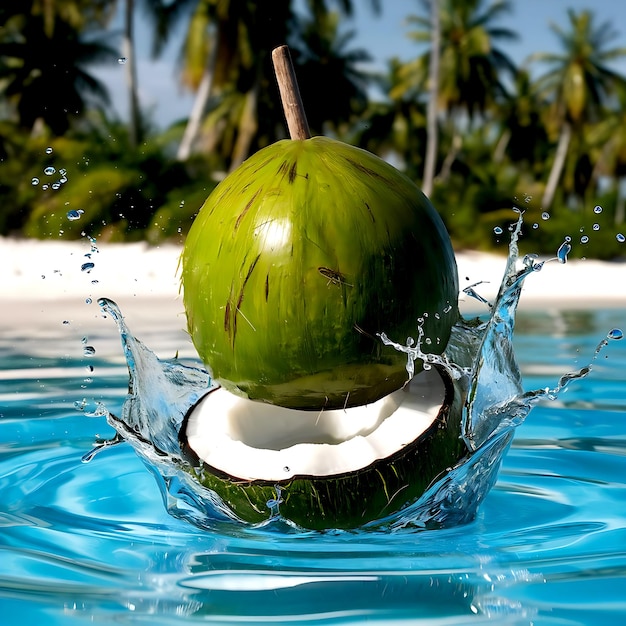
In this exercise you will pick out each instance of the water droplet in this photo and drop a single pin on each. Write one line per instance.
(597, 209)
(80, 405)
(545, 215)
(34, 181)
(448, 309)
(88, 300)
(74, 214)
(584, 239)
(89, 368)
(89, 350)
(564, 249)
(63, 179)
(497, 230)
(620, 237)
(66, 322)
(568, 239)
(535, 225)
(45, 186)
(615, 333)
(48, 150)
(48, 171)
(56, 185)
(122, 60)
(87, 267)
(596, 227)
(83, 340)
(286, 469)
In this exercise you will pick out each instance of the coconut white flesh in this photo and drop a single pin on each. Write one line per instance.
(252, 440)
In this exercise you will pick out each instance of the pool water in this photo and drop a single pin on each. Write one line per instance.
(93, 543)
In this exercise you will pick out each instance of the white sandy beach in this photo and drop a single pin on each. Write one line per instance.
(43, 286)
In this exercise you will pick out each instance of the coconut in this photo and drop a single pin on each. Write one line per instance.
(299, 259)
(295, 264)
(327, 469)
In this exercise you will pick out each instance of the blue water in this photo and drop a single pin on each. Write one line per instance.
(83, 543)
(93, 542)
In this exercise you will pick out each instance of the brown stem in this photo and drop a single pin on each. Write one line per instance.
(290, 94)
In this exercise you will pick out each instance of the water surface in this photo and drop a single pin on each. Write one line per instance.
(85, 543)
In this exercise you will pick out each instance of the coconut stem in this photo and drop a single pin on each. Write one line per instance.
(290, 94)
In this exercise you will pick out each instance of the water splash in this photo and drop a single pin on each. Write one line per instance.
(74, 214)
(564, 249)
(479, 359)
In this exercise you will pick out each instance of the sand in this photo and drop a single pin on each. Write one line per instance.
(43, 286)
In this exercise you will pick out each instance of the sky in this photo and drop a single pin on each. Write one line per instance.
(384, 36)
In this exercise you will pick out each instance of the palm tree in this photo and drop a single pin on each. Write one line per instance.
(578, 82)
(324, 60)
(395, 127)
(128, 58)
(319, 8)
(608, 137)
(523, 135)
(159, 13)
(224, 41)
(222, 37)
(43, 61)
(207, 37)
(470, 65)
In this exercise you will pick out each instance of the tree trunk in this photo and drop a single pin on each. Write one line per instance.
(433, 82)
(501, 146)
(128, 52)
(620, 202)
(192, 129)
(455, 148)
(557, 166)
(247, 128)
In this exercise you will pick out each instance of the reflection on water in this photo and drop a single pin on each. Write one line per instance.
(557, 323)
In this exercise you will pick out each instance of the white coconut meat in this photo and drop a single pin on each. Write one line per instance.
(250, 440)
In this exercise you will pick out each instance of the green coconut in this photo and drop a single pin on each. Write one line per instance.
(299, 259)
(342, 469)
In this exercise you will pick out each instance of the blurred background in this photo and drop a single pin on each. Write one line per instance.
(118, 118)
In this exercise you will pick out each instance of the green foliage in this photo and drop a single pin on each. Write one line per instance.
(498, 129)
(119, 193)
(43, 59)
